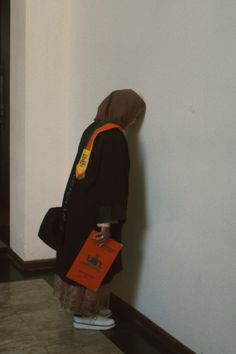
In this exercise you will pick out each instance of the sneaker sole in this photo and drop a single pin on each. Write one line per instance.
(94, 327)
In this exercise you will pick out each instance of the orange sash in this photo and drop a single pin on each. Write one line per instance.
(84, 159)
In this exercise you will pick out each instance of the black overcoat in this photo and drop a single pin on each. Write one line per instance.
(100, 197)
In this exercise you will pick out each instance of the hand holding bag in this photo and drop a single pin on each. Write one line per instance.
(50, 231)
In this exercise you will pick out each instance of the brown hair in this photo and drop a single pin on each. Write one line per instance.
(121, 107)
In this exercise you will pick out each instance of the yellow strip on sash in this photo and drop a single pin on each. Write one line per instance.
(84, 159)
(82, 164)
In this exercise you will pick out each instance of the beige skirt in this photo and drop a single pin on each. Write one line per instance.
(80, 300)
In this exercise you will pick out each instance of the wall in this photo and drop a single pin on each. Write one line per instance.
(179, 254)
(17, 127)
(39, 66)
(179, 259)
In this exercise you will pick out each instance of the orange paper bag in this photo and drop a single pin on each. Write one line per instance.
(93, 262)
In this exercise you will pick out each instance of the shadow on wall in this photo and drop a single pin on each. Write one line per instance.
(134, 229)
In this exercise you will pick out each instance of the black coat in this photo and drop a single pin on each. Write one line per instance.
(100, 197)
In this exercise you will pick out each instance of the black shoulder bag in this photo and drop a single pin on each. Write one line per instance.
(51, 231)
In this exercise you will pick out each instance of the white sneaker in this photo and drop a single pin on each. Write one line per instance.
(95, 322)
(105, 313)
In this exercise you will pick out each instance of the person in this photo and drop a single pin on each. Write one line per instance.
(96, 197)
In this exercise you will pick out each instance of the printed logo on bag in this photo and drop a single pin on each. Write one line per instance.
(95, 261)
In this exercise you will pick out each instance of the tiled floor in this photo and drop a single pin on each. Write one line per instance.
(32, 321)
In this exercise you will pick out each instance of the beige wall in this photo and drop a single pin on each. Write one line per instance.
(17, 128)
(179, 254)
(39, 72)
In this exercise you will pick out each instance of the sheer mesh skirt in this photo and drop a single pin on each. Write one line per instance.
(80, 300)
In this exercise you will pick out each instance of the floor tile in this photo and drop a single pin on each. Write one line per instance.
(128, 335)
(33, 322)
(15, 337)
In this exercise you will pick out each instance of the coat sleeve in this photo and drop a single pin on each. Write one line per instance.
(112, 179)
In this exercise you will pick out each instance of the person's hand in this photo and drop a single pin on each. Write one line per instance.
(102, 236)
